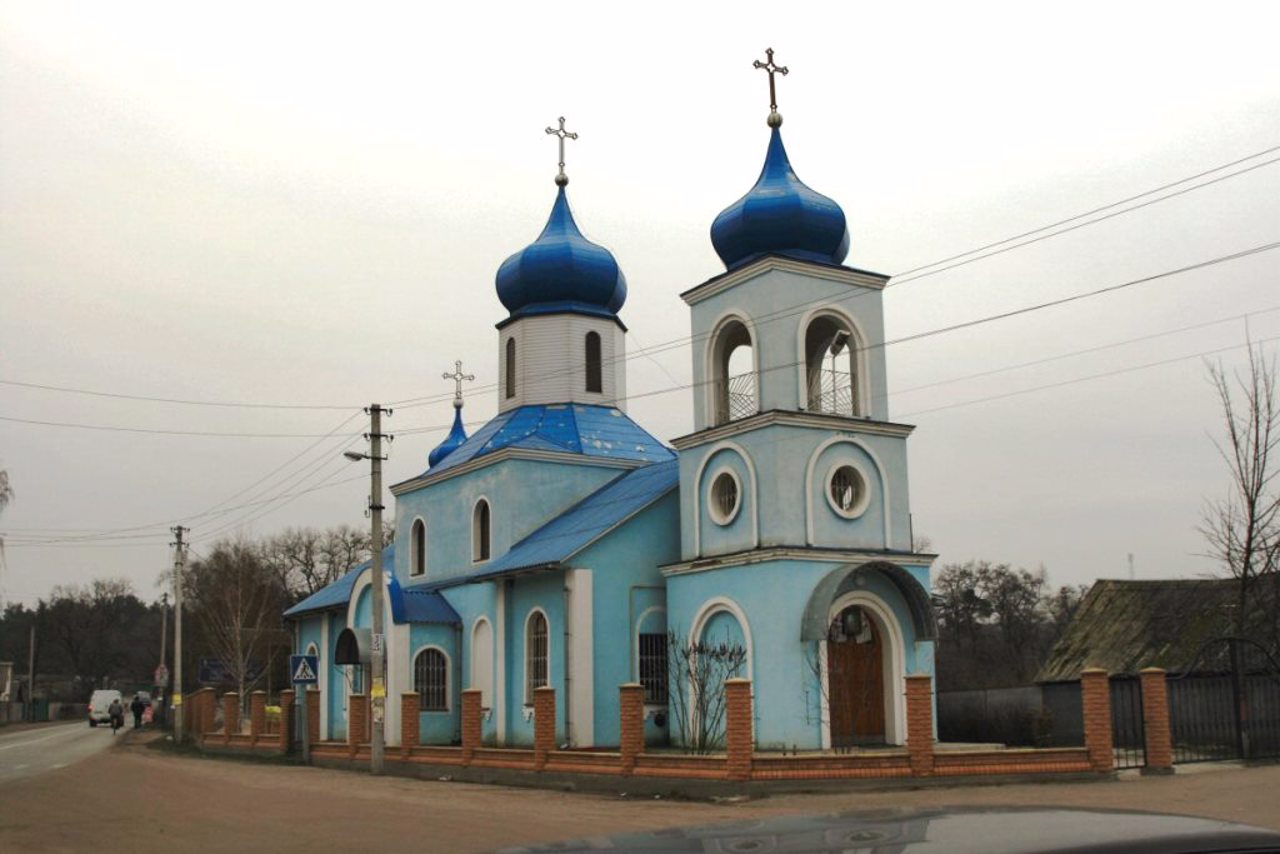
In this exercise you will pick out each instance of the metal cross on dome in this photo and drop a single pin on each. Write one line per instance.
(458, 376)
(562, 134)
(772, 68)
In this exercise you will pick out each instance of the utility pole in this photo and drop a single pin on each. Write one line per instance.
(162, 687)
(378, 693)
(31, 671)
(179, 558)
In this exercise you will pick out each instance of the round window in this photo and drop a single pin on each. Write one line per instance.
(847, 491)
(725, 497)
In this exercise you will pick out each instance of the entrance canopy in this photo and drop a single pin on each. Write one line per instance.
(355, 646)
(814, 625)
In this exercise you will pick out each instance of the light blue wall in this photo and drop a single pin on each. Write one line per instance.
(337, 681)
(473, 601)
(446, 507)
(309, 633)
(773, 297)
(773, 597)
(790, 488)
(545, 591)
(627, 583)
(438, 727)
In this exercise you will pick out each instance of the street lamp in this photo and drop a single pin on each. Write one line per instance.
(378, 690)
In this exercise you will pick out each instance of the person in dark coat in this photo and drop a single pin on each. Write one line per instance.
(137, 707)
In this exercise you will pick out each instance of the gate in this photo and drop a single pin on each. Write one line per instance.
(1226, 705)
(1128, 734)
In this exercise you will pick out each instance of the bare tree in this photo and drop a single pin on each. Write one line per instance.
(306, 560)
(698, 670)
(238, 602)
(1242, 529)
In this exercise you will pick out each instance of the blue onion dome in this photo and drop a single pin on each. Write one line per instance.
(561, 271)
(780, 216)
(457, 435)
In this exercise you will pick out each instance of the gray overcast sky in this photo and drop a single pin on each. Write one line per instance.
(307, 203)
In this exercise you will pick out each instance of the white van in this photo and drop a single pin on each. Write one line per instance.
(99, 703)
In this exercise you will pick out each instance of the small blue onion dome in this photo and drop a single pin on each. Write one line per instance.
(780, 216)
(564, 268)
(457, 435)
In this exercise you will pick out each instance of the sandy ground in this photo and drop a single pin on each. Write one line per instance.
(136, 798)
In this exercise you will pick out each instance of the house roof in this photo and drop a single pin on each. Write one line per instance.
(407, 606)
(592, 431)
(1124, 626)
(582, 524)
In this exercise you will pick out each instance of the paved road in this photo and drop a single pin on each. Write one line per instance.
(36, 750)
(176, 804)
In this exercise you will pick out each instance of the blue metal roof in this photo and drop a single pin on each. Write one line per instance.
(588, 520)
(407, 606)
(592, 431)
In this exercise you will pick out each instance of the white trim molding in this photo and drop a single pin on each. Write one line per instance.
(710, 393)
(524, 657)
(718, 515)
(824, 421)
(880, 474)
(496, 457)
(417, 553)
(475, 535)
(775, 553)
(861, 382)
(486, 690)
(448, 677)
(714, 606)
(846, 275)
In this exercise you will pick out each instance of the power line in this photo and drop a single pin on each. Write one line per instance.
(173, 400)
(202, 433)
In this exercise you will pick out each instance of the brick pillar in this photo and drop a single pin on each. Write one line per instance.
(357, 721)
(313, 715)
(410, 723)
(257, 716)
(920, 724)
(208, 709)
(739, 739)
(631, 705)
(1155, 721)
(231, 715)
(1095, 691)
(472, 725)
(286, 721)
(544, 725)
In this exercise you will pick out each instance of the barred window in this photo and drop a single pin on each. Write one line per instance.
(535, 655)
(431, 680)
(653, 667)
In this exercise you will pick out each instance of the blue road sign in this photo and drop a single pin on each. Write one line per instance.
(304, 669)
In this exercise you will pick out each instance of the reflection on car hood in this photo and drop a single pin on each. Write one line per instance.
(991, 831)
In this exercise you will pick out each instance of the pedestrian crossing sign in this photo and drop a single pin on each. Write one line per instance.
(303, 668)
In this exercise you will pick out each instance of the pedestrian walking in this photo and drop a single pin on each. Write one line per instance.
(116, 711)
(137, 707)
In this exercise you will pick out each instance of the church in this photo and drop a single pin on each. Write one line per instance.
(562, 545)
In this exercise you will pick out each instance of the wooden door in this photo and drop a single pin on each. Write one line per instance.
(855, 682)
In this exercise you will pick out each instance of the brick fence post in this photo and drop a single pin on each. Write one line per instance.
(410, 722)
(1155, 722)
(357, 716)
(257, 716)
(471, 723)
(544, 725)
(286, 720)
(739, 739)
(313, 715)
(1095, 692)
(631, 707)
(208, 709)
(230, 715)
(920, 724)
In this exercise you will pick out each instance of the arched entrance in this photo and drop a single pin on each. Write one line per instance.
(855, 679)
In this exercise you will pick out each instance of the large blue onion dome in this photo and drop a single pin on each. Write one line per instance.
(457, 435)
(780, 216)
(561, 271)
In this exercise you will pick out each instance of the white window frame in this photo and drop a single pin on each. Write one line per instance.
(528, 680)
(475, 531)
(418, 551)
(713, 505)
(864, 498)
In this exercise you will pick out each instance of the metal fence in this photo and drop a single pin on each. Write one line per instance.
(1128, 733)
(1230, 713)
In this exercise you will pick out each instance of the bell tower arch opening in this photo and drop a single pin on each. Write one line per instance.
(734, 378)
(831, 366)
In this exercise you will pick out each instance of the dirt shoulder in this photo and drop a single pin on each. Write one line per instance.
(139, 797)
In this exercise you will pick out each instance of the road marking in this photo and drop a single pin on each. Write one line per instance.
(67, 731)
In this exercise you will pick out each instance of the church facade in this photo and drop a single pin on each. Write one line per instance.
(562, 545)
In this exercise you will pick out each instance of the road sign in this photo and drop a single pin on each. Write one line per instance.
(304, 669)
(214, 671)
(162, 676)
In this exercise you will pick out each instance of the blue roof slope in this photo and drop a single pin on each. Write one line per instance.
(592, 431)
(585, 522)
(407, 606)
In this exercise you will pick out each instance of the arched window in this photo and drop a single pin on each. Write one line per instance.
(480, 523)
(431, 680)
(511, 368)
(482, 660)
(418, 548)
(595, 379)
(535, 655)
(831, 366)
(733, 373)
